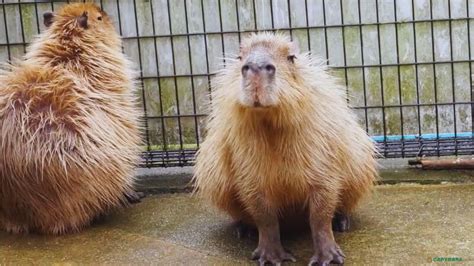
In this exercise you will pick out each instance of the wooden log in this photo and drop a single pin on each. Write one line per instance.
(444, 164)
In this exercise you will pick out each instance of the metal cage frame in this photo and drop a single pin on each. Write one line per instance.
(402, 145)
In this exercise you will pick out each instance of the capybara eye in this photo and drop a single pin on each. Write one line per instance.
(245, 68)
(99, 18)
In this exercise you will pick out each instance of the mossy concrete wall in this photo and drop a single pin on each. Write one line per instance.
(397, 53)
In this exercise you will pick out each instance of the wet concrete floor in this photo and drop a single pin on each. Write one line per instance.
(405, 224)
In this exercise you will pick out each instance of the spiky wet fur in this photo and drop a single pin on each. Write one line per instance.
(309, 143)
(69, 127)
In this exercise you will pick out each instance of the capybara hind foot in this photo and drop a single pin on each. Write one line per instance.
(243, 230)
(134, 197)
(327, 252)
(341, 222)
(271, 253)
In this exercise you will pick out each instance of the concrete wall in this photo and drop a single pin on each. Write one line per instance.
(369, 39)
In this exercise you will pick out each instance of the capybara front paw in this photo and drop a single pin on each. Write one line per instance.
(271, 255)
(328, 254)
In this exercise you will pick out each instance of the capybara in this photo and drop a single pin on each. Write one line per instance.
(282, 145)
(69, 126)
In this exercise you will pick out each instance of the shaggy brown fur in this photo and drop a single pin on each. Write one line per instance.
(69, 126)
(304, 154)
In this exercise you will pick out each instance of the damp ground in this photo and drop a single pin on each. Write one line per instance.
(399, 224)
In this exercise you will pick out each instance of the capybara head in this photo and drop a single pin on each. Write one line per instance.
(266, 62)
(81, 20)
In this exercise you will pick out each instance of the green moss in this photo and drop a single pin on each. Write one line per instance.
(375, 122)
(152, 97)
(168, 96)
(390, 85)
(405, 35)
(373, 86)
(426, 84)
(408, 84)
(29, 17)
(301, 36)
(356, 87)
(392, 121)
(428, 120)
(444, 82)
(352, 45)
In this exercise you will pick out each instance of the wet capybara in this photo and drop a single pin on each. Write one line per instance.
(69, 126)
(282, 144)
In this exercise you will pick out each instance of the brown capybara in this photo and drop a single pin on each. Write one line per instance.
(69, 126)
(283, 145)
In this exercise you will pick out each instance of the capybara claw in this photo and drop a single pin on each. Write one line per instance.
(331, 255)
(272, 256)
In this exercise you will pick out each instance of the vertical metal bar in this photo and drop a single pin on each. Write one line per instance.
(452, 78)
(175, 80)
(191, 72)
(119, 17)
(416, 72)
(37, 17)
(162, 120)
(400, 101)
(433, 54)
(271, 12)
(207, 53)
(6, 31)
(381, 78)
(147, 132)
(416, 67)
(22, 27)
(221, 27)
(468, 24)
(289, 20)
(344, 51)
(238, 18)
(254, 15)
(364, 85)
(325, 32)
(307, 25)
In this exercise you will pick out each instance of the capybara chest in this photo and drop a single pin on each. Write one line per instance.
(273, 170)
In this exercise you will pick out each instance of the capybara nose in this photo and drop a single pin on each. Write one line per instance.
(248, 67)
(267, 68)
(270, 69)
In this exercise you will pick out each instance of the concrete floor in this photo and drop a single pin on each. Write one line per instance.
(401, 224)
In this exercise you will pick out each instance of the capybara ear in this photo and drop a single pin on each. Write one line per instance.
(82, 20)
(293, 51)
(48, 18)
(291, 58)
(294, 47)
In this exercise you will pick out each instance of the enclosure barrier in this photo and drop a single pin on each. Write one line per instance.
(407, 63)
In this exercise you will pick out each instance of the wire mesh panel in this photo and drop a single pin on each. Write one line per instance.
(407, 63)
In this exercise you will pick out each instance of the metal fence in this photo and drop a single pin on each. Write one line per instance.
(407, 63)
